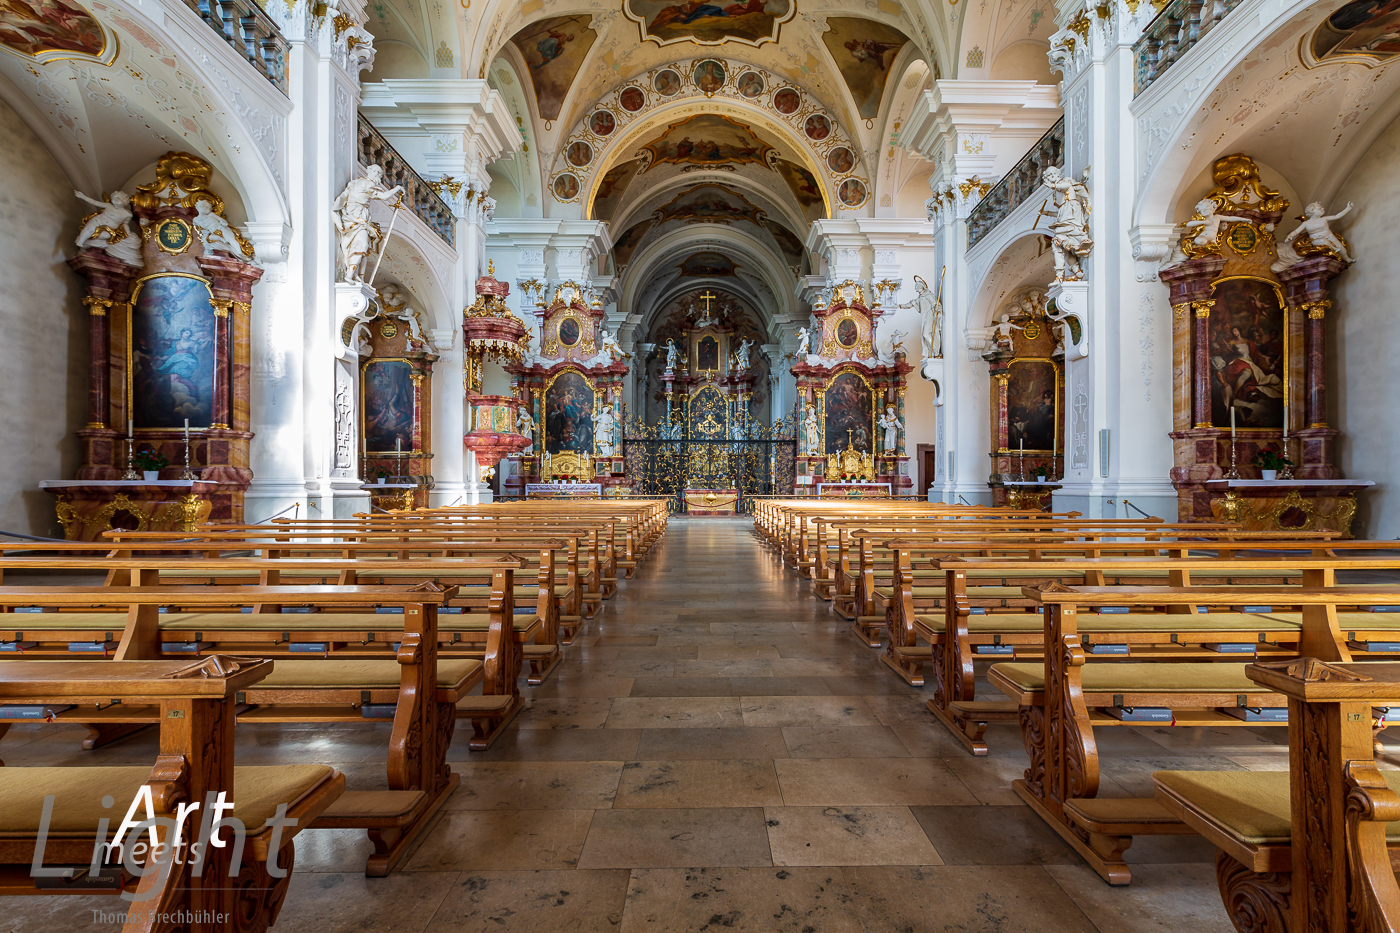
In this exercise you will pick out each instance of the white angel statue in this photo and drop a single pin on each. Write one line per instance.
(214, 230)
(886, 356)
(1002, 331)
(1317, 224)
(804, 342)
(110, 228)
(1209, 223)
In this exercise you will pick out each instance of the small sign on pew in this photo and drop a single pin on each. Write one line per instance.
(1140, 713)
(1259, 713)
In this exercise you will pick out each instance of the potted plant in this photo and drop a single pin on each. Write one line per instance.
(150, 463)
(1269, 462)
(380, 475)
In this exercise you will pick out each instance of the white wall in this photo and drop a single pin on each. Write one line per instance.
(1364, 336)
(43, 330)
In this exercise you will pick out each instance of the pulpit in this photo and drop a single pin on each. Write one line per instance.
(169, 290)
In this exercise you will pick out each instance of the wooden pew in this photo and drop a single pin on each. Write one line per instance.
(194, 703)
(422, 696)
(1062, 700)
(1313, 848)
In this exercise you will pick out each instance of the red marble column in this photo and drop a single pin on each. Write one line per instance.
(99, 375)
(220, 417)
(1316, 377)
(1201, 370)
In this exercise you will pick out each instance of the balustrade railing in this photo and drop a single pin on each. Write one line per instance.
(1017, 184)
(375, 150)
(1171, 34)
(252, 32)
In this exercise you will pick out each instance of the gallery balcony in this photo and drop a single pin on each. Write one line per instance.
(374, 149)
(1171, 34)
(1017, 184)
(250, 31)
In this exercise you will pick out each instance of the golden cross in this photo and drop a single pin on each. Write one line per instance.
(707, 298)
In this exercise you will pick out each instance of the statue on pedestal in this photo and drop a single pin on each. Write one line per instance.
(892, 425)
(351, 212)
(811, 429)
(1001, 333)
(741, 354)
(673, 355)
(603, 424)
(525, 425)
(1069, 231)
(930, 319)
(110, 228)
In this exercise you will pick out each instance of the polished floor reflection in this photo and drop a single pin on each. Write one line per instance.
(717, 753)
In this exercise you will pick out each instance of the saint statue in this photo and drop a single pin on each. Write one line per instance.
(741, 355)
(351, 212)
(812, 429)
(1069, 231)
(930, 319)
(673, 355)
(891, 423)
(603, 423)
(525, 425)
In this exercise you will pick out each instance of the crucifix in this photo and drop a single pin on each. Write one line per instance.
(707, 298)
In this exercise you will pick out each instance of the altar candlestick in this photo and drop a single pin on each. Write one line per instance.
(130, 429)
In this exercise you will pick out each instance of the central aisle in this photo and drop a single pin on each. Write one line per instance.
(717, 753)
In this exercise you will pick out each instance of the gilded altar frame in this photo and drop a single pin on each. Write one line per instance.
(417, 379)
(1057, 416)
(544, 400)
(137, 287)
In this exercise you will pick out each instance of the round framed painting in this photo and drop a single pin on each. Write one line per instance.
(632, 99)
(569, 332)
(817, 127)
(566, 187)
(786, 101)
(709, 76)
(840, 160)
(580, 153)
(847, 333)
(666, 82)
(750, 85)
(602, 123)
(852, 192)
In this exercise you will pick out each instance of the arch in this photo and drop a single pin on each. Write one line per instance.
(1023, 262)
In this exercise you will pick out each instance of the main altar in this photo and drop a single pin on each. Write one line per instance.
(168, 288)
(1249, 310)
(851, 429)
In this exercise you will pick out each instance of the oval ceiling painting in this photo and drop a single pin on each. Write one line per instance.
(786, 101)
(666, 82)
(602, 123)
(566, 187)
(580, 153)
(817, 127)
(632, 99)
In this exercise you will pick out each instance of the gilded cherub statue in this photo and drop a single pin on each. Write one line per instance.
(1317, 225)
(1209, 223)
(215, 231)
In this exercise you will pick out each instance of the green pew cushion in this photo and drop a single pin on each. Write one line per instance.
(370, 674)
(1251, 805)
(62, 621)
(1089, 623)
(1145, 677)
(1353, 621)
(320, 621)
(257, 790)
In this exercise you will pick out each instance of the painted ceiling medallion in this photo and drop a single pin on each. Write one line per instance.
(53, 30)
(709, 22)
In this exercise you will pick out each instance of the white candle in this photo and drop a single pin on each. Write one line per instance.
(1232, 422)
(130, 428)
(398, 445)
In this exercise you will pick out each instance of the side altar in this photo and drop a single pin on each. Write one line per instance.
(1249, 317)
(851, 390)
(168, 291)
(569, 398)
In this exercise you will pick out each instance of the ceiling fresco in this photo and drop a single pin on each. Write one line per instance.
(707, 139)
(864, 50)
(751, 21)
(554, 50)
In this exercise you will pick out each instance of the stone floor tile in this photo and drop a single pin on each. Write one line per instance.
(870, 782)
(731, 837)
(993, 836)
(891, 710)
(404, 902)
(954, 899)
(533, 902)
(698, 783)
(580, 685)
(1167, 897)
(531, 785)
(564, 713)
(820, 667)
(501, 840)
(732, 742)
(742, 900)
(554, 745)
(681, 687)
(724, 667)
(843, 742)
(780, 686)
(928, 738)
(674, 713)
(807, 711)
(847, 836)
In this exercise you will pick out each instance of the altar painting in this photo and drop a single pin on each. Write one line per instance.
(1032, 401)
(849, 408)
(1247, 354)
(707, 355)
(387, 405)
(172, 353)
(568, 414)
